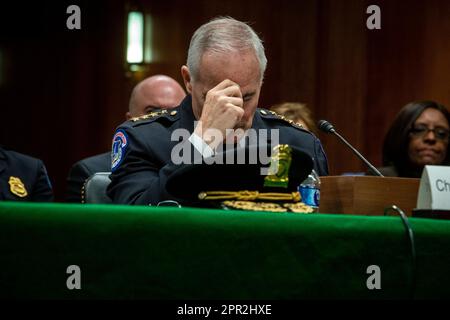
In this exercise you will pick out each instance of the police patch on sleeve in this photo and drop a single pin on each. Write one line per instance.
(119, 146)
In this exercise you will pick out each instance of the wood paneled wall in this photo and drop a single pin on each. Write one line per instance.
(63, 92)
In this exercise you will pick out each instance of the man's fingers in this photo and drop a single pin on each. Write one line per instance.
(231, 91)
(238, 102)
(238, 112)
(224, 84)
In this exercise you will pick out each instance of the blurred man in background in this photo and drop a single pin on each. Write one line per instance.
(156, 92)
(153, 93)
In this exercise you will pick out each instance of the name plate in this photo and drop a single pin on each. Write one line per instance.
(434, 189)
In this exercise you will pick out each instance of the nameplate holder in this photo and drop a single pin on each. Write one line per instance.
(434, 189)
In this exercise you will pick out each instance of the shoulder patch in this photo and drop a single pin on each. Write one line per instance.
(119, 146)
(268, 114)
(155, 115)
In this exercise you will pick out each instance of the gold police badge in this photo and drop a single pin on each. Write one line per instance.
(279, 167)
(17, 187)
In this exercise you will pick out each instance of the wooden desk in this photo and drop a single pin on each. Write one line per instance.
(367, 195)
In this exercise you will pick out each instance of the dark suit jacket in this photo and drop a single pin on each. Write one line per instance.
(23, 178)
(142, 151)
(82, 170)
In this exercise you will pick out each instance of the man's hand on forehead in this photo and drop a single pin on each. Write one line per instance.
(223, 109)
(229, 88)
(226, 94)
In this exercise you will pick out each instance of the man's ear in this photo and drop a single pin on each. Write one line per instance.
(186, 78)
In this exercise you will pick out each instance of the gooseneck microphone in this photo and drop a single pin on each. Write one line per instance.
(327, 127)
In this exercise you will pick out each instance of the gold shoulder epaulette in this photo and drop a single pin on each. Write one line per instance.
(273, 113)
(154, 115)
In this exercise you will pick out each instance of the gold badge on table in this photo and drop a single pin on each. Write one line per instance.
(17, 187)
(268, 206)
(279, 167)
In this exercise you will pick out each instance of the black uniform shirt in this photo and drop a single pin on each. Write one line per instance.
(142, 149)
(23, 178)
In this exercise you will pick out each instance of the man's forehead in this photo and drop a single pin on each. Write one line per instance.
(239, 67)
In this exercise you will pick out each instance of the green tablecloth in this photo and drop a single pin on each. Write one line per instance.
(170, 253)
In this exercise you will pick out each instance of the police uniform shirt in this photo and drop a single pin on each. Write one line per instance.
(23, 178)
(142, 148)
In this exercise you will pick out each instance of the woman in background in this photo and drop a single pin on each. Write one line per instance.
(418, 136)
(297, 112)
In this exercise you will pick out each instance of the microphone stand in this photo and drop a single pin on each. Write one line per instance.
(359, 155)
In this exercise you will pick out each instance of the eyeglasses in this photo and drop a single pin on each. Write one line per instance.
(421, 131)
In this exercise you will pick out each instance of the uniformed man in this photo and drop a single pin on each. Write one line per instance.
(155, 92)
(23, 178)
(223, 76)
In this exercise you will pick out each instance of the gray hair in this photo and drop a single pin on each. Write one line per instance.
(224, 34)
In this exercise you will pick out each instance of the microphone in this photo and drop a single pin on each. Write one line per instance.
(327, 127)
